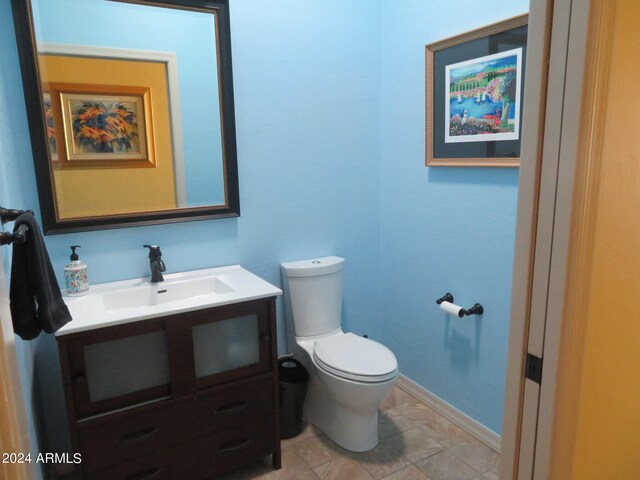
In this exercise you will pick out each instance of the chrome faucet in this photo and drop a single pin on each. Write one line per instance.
(156, 264)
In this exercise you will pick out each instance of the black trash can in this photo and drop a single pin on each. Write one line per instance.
(294, 380)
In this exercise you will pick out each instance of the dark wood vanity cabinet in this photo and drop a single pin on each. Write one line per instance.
(180, 397)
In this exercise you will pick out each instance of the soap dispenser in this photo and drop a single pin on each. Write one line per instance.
(75, 275)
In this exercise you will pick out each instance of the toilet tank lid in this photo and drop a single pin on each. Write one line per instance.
(313, 267)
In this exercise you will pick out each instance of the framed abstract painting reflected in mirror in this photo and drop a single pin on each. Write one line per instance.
(101, 126)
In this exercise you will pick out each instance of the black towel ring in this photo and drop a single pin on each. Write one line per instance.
(17, 237)
(20, 235)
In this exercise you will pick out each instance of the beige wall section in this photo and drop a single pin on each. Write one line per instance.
(598, 403)
(106, 191)
(14, 436)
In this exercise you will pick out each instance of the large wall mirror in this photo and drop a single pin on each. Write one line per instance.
(130, 110)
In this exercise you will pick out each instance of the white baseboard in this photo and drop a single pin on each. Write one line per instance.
(451, 413)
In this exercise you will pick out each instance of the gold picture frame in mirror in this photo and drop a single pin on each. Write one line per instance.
(100, 126)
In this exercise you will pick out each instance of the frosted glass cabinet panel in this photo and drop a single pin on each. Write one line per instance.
(226, 345)
(233, 344)
(126, 365)
(112, 368)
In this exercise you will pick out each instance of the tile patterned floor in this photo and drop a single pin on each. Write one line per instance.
(416, 443)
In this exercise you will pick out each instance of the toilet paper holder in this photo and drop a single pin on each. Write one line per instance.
(477, 309)
(446, 298)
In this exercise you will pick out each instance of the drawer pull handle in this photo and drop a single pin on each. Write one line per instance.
(138, 436)
(146, 475)
(231, 409)
(234, 445)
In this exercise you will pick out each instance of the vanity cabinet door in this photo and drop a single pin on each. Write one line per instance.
(185, 396)
(234, 342)
(113, 368)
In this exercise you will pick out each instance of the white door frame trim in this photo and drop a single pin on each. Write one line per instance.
(543, 233)
(535, 100)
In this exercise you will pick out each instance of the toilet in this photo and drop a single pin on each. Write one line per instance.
(350, 376)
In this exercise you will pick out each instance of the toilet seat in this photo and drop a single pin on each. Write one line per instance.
(355, 358)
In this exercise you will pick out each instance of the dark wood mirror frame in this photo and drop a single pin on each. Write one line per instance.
(25, 36)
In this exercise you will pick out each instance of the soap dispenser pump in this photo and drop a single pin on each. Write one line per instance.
(75, 275)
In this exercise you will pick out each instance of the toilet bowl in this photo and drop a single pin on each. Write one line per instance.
(350, 376)
(343, 397)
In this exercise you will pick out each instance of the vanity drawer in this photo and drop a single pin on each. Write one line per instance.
(106, 440)
(198, 459)
(109, 440)
(222, 407)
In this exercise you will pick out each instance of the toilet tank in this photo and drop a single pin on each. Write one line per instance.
(313, 295)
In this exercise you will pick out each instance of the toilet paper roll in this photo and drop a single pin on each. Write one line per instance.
(452, 308)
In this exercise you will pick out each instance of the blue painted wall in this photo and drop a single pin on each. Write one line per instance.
(330, 119)
(444, 229)
(306, 94)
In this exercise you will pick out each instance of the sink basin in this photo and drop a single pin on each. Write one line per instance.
(114, 303)
(164, 292)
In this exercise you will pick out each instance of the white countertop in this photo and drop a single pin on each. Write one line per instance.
(115, 303)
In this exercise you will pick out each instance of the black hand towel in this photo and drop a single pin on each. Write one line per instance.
(36, 301)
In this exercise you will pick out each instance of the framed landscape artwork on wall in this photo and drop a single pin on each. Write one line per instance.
(474, 96)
